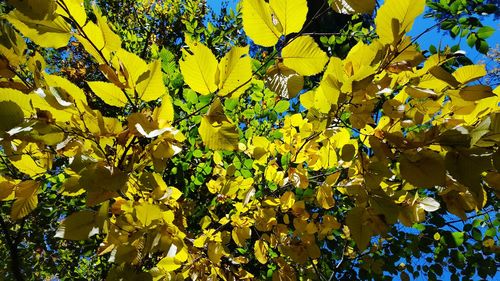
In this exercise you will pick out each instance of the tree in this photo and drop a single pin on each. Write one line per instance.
(145, 140)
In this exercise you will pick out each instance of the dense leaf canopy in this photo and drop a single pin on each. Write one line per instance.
(156, 140)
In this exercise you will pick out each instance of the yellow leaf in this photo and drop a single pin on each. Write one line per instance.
(134, 66)
(353, 6)
(437, 236)
(324, 196)
(78, 226)
(395, 18)
(215, 252)
(70, 89)
(217, 131)
(76, 10)
(304, 56)
(290, 13)
(147, 213)
(259, 24)
(26, 199)
(27, 165)
(287, 200)
(199, 68)
(469, 73)
(260, 249)
(234, 70)
(109, 93)
(240, 235)
(164, 114)
(19, 98)
(46, 33)
(151, 87)
(284, 81)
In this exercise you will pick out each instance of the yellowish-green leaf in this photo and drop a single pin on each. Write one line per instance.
(234, 71)
(290, 13)
(26, 199)
(22, 100)
(469, 73)
(109, 93)
(147, 213)
(98, 178)
(46, 33)
(350, 7)
(199, 68)
(284, 81)
(260, 249)
(315, 99)
(259, 24)
(395, 18)
(11, 116)
(324, 196)
(151, 87)
(12, 45)
(304, 56)
(217, 131)
(78, 226)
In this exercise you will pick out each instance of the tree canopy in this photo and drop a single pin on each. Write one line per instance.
(281, 140)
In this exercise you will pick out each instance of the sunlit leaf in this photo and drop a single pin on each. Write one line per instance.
(304, 56)
(395, 18)
(217, 131)
(109, 93)
(199, 68)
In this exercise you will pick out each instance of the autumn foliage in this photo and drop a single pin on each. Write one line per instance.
(205, 163)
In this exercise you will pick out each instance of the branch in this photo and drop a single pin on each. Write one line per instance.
(15, 263)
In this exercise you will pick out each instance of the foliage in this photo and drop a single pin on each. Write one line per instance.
(141, 141)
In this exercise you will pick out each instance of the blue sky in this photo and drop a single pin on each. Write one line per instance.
(434, 37)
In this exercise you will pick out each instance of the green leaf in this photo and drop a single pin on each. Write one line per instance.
(282, 106)
(471, 39)
(485, 32)
(458, 238)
